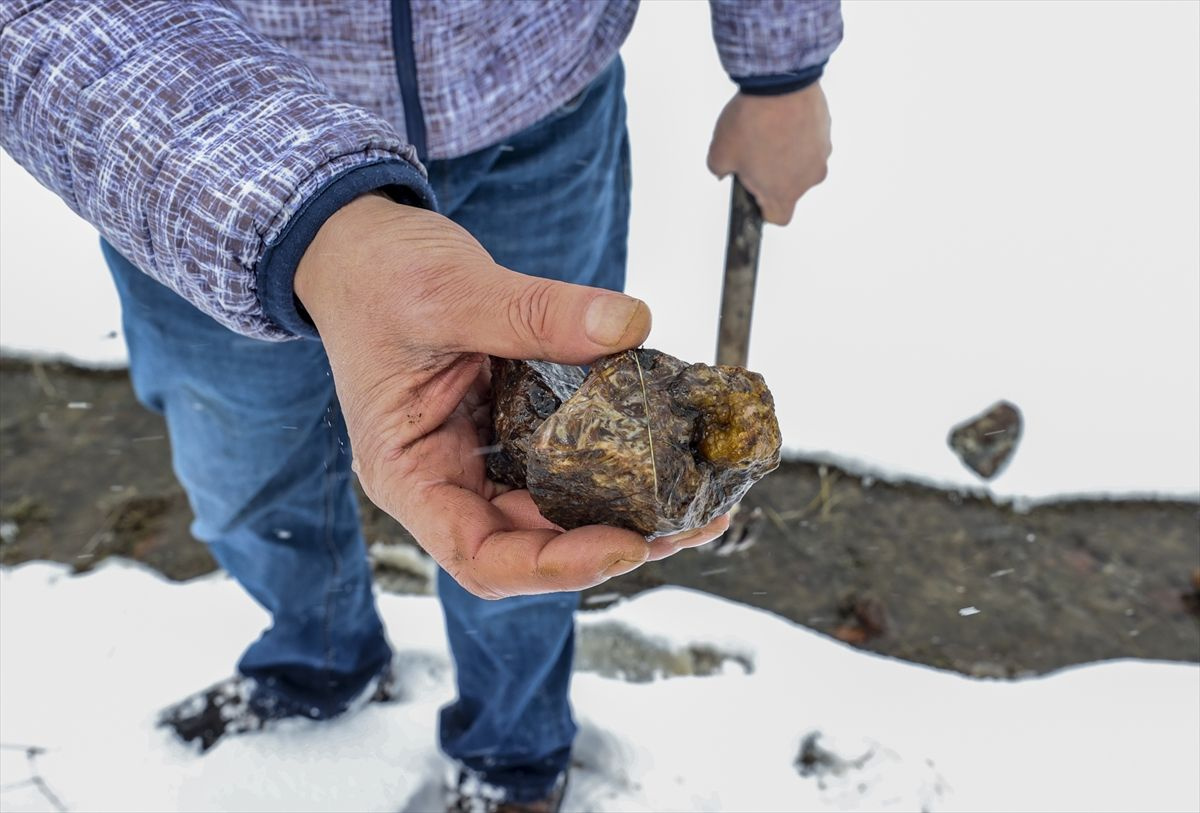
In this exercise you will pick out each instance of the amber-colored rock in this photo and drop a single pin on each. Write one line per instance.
(647, 442)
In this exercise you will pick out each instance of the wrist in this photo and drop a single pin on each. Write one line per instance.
(275, 271)
(321, 274)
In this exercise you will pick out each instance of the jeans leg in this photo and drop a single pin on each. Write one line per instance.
(259, 444)
(511, 722)
(552, 201)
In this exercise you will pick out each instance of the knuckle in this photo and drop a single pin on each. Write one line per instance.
(529, 313)
(460, 570)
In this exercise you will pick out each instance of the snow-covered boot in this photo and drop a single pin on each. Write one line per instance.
(239, 704)
(468, 793)
(223, 708)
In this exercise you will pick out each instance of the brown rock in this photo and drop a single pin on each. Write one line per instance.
(986, 442)
(864, 619)
(1191, 598)
(647, 443)
(851, 634)
(524, 394)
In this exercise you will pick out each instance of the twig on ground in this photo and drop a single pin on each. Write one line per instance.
(824, 500)
(43, 380)
(32, 752)
(777, 519)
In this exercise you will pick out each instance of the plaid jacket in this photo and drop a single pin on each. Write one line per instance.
(209, 140)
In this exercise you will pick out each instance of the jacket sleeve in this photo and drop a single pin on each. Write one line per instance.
(203, 152)
(771, 47)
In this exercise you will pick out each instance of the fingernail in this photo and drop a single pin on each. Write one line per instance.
(609, 316)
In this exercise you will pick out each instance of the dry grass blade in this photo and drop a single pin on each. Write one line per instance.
(649, 434)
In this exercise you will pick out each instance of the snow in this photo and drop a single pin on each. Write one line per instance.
(88, 661)
(1012, 212)
(57, 300)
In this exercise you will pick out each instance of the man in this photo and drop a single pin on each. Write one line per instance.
(370, 177)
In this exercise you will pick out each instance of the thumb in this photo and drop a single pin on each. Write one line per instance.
(522, 317)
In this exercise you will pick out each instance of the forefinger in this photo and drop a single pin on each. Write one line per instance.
(505, 548)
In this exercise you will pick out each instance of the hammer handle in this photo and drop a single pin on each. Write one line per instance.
(741, 272)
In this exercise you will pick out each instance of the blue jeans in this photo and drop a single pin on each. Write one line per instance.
(260, 446)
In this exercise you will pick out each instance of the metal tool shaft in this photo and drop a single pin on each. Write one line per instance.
(741, 272)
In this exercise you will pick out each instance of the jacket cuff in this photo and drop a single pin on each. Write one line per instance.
(276, 271)
(778, 84)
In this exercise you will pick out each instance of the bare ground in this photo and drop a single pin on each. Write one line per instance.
(85, 474)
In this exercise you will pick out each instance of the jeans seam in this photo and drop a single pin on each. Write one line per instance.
(330, 488)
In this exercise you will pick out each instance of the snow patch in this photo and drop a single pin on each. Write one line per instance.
(815, 725)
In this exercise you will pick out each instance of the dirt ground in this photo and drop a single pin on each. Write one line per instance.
(85, 474)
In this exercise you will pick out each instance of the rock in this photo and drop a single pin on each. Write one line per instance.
(1191, 599)
(851, 634)
(647, 442)
(864, 618)
(524, 394)
(986, 443)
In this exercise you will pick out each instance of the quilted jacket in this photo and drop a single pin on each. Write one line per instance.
(209, 139)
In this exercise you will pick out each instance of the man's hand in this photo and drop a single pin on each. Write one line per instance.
(778, 146)
(409, 306)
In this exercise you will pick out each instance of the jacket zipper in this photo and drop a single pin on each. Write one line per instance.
(406, 72)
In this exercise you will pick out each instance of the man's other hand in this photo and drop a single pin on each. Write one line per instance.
(778, 146)
(409, 306)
